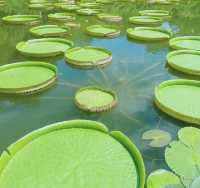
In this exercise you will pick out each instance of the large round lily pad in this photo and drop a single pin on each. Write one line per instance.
(148, 34)
(87, 11)
(180, 99)
(145, 20)
(155, 13)
(26, 77)
(89, 5)
(48, 31)
(186, 61)
(45, 47)
(69, 7)
(103, 31)
(72, 154)
(88, 57)
(95, 99)
(61, 16)
(21, 19)
(186, 42)
(109, 17)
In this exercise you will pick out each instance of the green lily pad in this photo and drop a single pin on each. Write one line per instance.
(163, 179)
(89, 5)
(26, 77)
(145, 20)
(88, 57)
(61, 16)
(196, 183)
(45, 47)
(186, 42)
(179, 99)
(95, 99)
(48, 31)
(70, 7)
(72, 154)
(157, 137)
(109, 17)
(185, 151)
(88, 11)
(155, 13)
(149, 34)
(37, 6)
(186, 61)
(21, 19)
(103, 31)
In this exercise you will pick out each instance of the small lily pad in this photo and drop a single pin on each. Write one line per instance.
(155, 13)
(21, 19)
(88, 57)
(145, 20)
(48, 31)
(69, 7)
(45, 47)
(26, 77)
(185, 43)
(103, 31)
(88, 11)
(95, 99)
(149, 34)
(61, 16)
(109, 17)
(157, 137)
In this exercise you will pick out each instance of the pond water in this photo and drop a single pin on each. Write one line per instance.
(135, 71)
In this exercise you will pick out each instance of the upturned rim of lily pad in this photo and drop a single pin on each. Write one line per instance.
(11, 19)
(172, 112)
(87, 11)
(46, 54)
(112, 34)
(88, 64)
(34, 88)
(109, 17)
(61, 16)
(154, 11)
(131, 34)
(98, 109)
(140, 20)
(125, 142)
(179, 67)
(36, 31)
(174, 42)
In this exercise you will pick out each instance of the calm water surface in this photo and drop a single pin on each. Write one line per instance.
(136, 69)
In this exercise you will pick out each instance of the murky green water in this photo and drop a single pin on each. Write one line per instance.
(136, 69)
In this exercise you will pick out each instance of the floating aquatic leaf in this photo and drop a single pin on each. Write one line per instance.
(157, 137)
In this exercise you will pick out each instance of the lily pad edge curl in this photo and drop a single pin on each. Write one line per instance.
(7, 155)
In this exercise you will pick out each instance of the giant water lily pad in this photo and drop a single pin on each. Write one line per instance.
(163, 179)
(70, 7)
(48, 31)
(95, 99)
(89, 5)
(88, 11)
(109, 17)
(155, 13)
(180, 99)
(88, 57)
(21, 19)
(186, 42)
(61, 16)
(103, 31)
(145, 20)
(45, 47)
(26, 77)
(158, 138)
(72, 154)
(185, 151)
(148, 34)
(186, 61)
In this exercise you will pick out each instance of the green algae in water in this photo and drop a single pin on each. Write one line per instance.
(67, 150)
(88, 57)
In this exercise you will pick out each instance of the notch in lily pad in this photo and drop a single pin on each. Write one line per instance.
(73, 150)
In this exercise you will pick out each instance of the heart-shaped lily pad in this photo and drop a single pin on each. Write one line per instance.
(72, 154)
(157, 137)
